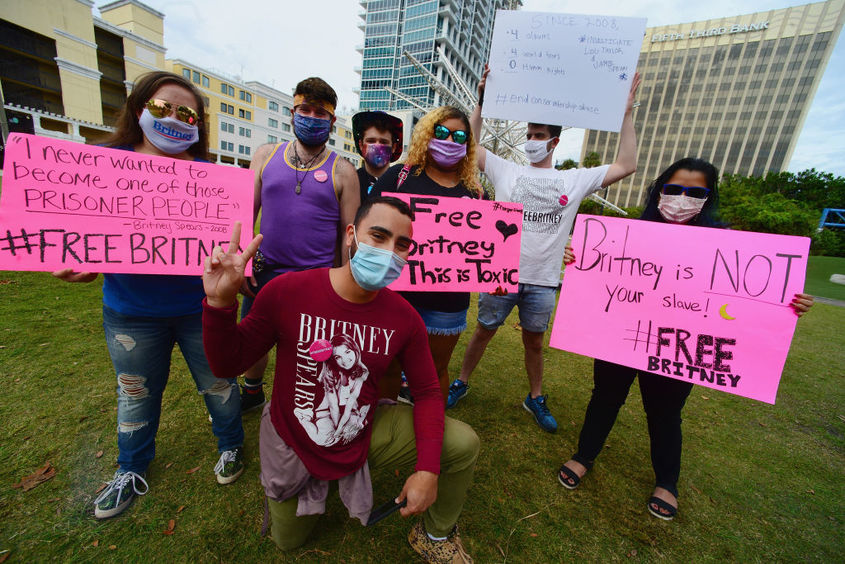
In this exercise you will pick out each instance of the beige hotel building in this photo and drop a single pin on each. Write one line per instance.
(734, 91)
(66, 73)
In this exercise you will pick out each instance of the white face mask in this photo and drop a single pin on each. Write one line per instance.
(537, 150)
(680, 208)
(168, 135)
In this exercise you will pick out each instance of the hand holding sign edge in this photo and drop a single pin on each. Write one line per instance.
(224, 270)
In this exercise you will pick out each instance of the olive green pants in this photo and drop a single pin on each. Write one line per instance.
(393, 445)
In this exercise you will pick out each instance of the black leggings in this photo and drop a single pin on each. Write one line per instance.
(663, 399)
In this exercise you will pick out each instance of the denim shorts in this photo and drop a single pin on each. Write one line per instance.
(443, 322)
(535, 303)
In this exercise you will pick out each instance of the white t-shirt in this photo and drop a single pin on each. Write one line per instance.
(545, 223)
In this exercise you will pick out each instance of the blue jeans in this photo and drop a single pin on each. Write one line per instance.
(535, 304)
(140, 350)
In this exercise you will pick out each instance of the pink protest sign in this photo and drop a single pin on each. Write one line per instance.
(462, 244)
(68, 205)
(702, 305)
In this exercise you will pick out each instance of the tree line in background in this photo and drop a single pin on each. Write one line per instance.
(780, 202)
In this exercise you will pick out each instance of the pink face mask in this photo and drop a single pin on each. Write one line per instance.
(680, 208)
(446, 153)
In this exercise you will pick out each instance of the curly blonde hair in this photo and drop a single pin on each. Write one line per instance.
(423, 134)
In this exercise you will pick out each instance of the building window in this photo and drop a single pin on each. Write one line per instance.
(227, 127)
(272, 139)
(227, 146)
(243, 150)
(244, 132)
(186, 73)
(246, 97)
(195, 77)
(272, 122)
(227, 108)
(331, 142)
(227, 89)
(285, 127)
(274, 106)
(244, 114)
(205, 81)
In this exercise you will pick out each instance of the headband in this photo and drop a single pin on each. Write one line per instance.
(300, 98)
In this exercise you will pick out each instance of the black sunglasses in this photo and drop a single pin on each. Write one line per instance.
(698, 192)
(458, 136)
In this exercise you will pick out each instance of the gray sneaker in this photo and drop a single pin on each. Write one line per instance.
(119, 494)
(230, 466)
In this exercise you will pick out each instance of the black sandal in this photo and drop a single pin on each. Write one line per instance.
(670, 510)
(568, 478)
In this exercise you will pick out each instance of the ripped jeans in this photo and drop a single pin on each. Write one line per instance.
(140, 350)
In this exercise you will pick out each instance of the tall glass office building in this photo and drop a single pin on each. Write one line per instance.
(734, 91)
(463, 28)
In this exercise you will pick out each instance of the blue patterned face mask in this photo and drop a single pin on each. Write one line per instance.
(374, 268)
(310, 130)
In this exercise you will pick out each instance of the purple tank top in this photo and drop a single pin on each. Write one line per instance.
(300, 230)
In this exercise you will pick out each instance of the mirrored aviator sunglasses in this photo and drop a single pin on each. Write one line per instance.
(458, 136)
(698, 192)
(161, 109)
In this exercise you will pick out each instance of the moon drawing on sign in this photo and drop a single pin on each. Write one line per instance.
(723, 311)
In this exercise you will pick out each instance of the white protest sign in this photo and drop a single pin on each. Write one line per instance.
(562, 69)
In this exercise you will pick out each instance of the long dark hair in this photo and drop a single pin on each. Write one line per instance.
(333, 372)
(709, 213)
(128, 132)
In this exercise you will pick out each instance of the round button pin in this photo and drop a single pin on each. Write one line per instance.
(321, 176)
(563, 200)
(320, 350)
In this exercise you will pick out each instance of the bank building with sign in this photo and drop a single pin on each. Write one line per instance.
(734, 91)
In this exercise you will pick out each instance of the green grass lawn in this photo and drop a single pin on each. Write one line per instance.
(818, 281)
(759, 482)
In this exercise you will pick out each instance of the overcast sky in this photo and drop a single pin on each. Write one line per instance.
(281, 42)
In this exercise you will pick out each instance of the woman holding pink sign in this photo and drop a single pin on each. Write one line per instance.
(441, 162)
(145, 316)
(685, 193)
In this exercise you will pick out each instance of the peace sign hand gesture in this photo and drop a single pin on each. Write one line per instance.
(224, 271)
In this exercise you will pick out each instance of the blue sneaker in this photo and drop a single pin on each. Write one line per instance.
(457, 391)
(537, 407)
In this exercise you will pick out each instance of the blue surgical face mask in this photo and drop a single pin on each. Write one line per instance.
(168, 135)
(310, 130)
(374, 268)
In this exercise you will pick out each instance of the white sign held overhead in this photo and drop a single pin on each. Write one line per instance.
(562, 69)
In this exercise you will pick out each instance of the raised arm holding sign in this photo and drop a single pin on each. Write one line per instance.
(675, 308)
(550, 200)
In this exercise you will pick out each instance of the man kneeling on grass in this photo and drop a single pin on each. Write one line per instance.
(336, 331)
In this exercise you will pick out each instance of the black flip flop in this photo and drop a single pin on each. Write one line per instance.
(565, 473)
(671, 511)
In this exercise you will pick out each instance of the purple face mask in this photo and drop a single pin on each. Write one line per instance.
(378, 155)
(446, 153)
